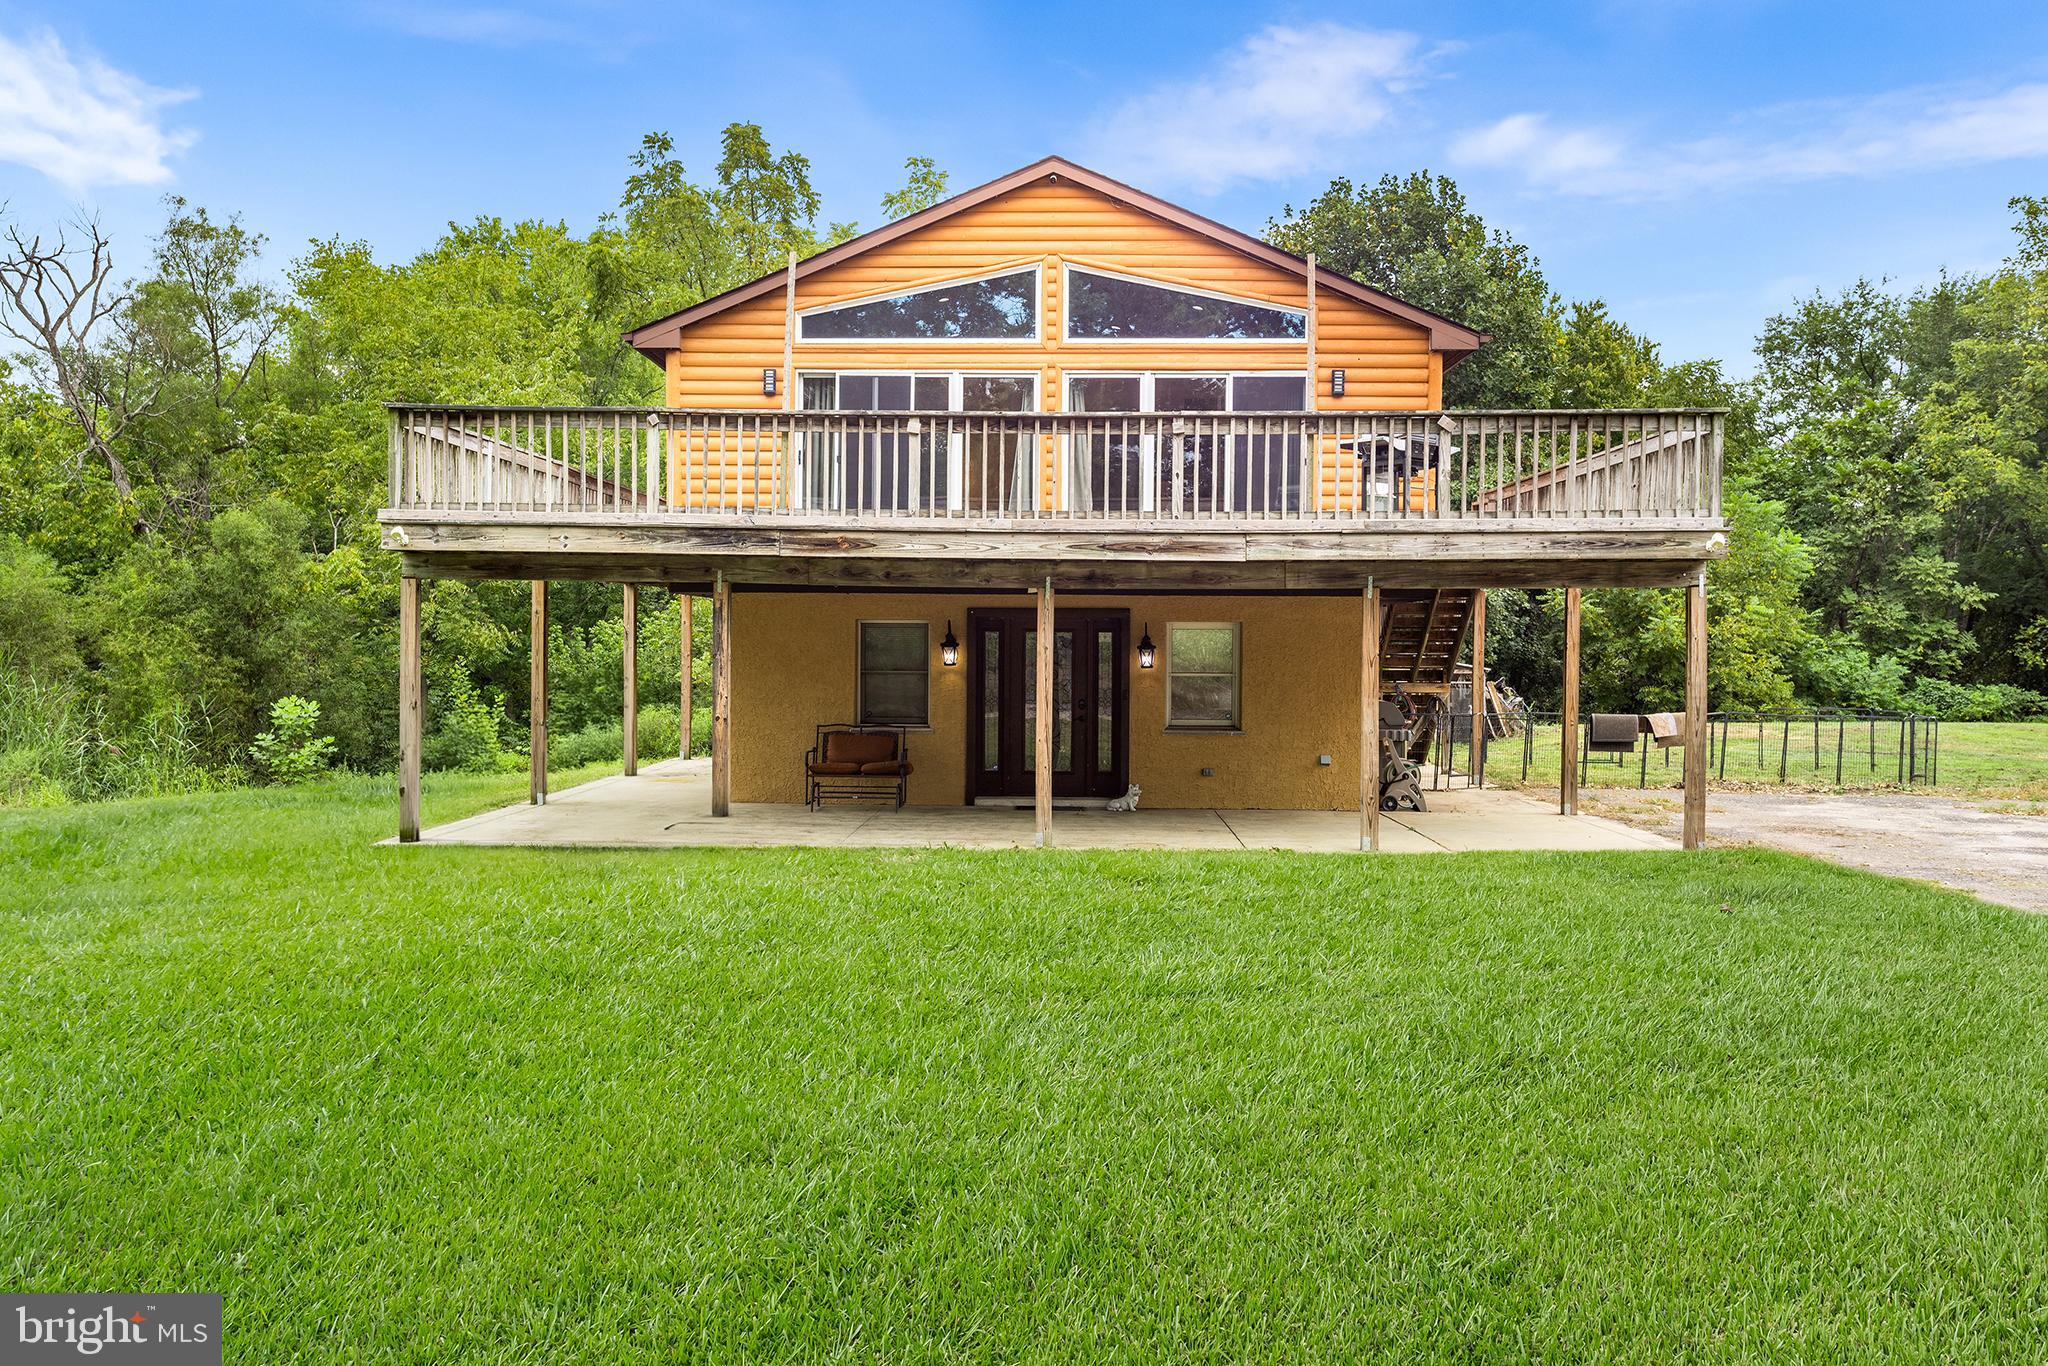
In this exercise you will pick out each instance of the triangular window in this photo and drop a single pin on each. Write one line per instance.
(991, 308)
(1104, 307)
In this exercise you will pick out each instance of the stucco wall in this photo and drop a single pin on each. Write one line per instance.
(794, 667)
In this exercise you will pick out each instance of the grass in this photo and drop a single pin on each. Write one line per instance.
(1978, 759)
(527, 1105)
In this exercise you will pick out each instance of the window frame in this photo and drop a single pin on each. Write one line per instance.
(1067, 337)
(1036, 338)
(1063, 492)
(1236, 721)
(956, 446)
(861, 671)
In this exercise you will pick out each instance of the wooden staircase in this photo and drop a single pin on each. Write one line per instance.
(1421, 632)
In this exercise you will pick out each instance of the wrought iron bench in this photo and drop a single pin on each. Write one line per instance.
(857, 763)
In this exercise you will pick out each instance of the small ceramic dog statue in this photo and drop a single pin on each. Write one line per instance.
(1127, 802)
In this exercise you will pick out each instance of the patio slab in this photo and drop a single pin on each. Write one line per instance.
(668, 805)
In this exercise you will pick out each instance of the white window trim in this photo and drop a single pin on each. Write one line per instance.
(1067, 269)
(1148, 444)
(1037, 269)
(860, 672)
(1236, 721)
(956, 442)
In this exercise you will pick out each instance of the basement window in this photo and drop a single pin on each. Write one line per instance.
(895, 673)
(1202, 675)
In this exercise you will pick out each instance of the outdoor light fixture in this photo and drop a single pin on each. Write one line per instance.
(949, 648)
(1146, 653)
(1336, 384)
(768, 383)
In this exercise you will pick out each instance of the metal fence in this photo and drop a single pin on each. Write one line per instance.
(1834, 748)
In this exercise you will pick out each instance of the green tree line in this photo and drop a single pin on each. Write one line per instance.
(191, 459)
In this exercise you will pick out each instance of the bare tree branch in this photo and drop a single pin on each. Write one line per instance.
(59, 300)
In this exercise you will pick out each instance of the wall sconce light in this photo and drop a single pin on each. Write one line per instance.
(1146, 653)
(1336, 384)
(949, 648)
(768, 383)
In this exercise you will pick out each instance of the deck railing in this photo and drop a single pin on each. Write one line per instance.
(1124, 467)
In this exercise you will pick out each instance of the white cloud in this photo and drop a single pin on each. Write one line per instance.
(1886, 135)
(1528, 142)
(81, 122)
(485, 25)
(1284, 102)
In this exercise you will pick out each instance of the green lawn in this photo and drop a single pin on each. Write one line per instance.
(466, 1104)
(1976, 759)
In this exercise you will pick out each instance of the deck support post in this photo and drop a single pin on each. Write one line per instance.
(537, 690)
(1695, 820)
(1568, 756)
(410, 715)
(1042, 773)
(1479, 733)
(721, 696)
(629, 650)
(1369, 719)
(687, 714)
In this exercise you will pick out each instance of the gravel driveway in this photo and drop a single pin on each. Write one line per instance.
(1998, 855)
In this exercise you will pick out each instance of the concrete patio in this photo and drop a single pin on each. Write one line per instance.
(668, 805)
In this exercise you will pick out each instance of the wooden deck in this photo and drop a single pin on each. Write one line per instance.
(1244, 502)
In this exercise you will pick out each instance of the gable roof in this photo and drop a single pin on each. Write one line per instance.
(1455, 339)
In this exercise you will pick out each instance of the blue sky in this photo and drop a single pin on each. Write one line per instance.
(1697, 165)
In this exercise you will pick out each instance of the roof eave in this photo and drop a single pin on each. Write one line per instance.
(1445, 334)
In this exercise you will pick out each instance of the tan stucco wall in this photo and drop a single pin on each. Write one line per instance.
(794, 664)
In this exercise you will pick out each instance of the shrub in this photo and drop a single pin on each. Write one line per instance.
(55, 746)
(290, 752)
(467, 728)
(1974, 701)
(606, 742)
(1837, 671)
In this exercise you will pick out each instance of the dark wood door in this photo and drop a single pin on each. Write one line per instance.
(1090, 729)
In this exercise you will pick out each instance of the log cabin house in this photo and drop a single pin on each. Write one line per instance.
(1057, 438)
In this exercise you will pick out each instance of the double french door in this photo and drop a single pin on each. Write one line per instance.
(857, 457)
(1090, 731)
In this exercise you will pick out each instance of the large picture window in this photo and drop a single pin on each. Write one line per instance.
(1104, 307)
(895, 673)
(883, 466)
(1202, 675)
(992, 308)
(1125, 469)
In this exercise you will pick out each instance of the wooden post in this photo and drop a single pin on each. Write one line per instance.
(1042, 786)
(410, 715)
(1568, 756)
(1479, 733)
(789, 337)
(1369, 720)
(537, 711)
(721, 696)
(1309, 326)
(688, 713)
(629, 641)
(1695, 823)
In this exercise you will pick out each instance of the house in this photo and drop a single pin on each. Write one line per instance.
(1057, 438)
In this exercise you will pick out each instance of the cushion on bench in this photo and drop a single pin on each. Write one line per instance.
(859, 747)
(827, 766)
(890, 767)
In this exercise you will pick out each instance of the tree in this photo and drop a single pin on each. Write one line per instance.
(686, 242)
(1415, 238)
(59, 300)
(924, 185)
